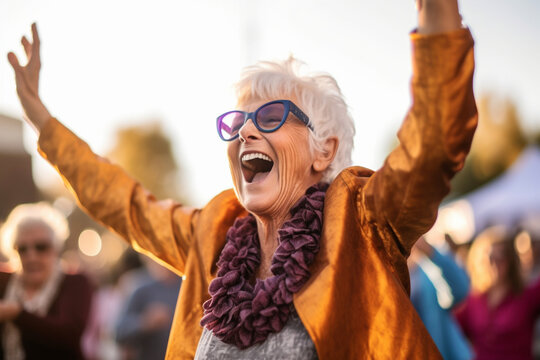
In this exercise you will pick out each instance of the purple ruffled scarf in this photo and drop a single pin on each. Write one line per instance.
(242, 313)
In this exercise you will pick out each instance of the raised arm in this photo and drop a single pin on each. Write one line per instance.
(402, 198)
(104, 190)
(27, 79)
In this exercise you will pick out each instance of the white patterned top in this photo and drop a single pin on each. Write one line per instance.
(292, 342)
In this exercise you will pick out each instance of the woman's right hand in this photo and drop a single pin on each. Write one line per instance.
(27, 80)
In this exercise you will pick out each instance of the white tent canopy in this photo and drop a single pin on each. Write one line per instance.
(510, 199)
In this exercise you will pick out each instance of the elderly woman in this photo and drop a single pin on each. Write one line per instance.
(303, 259)
(43, 311)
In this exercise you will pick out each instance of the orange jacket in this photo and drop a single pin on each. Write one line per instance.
(356, 302)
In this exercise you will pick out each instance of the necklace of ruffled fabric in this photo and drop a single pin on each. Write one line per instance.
(242, 313)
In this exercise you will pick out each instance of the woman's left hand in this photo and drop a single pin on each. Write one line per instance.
(9, 310)
(437, 16)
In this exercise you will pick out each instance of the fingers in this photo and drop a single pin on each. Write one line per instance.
(31, 47)
(12, 58)
(36, 43)
(27, 47)
(19, 71)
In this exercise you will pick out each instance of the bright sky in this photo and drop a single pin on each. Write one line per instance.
(112, 63)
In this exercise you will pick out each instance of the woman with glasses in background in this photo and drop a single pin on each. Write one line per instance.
(43, 311)
(304, 259)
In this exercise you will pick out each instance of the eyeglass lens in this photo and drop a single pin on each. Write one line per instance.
(230, 124)
(269, 117)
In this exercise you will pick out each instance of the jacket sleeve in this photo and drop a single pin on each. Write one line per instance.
(159, 228)
(400, 201)
(64, 329)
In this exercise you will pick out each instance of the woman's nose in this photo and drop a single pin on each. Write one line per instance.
(248, 131)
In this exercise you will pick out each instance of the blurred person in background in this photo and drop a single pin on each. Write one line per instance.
(438, 285)
(530, 256)
(531, 246)
(143, 328)
(533, 277)
(43, 311)
(110, 299)
(306, 257)
(499, 315)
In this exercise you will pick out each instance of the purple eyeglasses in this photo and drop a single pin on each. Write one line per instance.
(267, 118)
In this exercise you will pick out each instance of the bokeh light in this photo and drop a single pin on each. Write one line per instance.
(90, 242)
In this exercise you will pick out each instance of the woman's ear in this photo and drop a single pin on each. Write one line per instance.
(325, 157)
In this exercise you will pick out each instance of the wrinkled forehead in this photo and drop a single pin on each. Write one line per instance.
(252, 103)
(262, 94)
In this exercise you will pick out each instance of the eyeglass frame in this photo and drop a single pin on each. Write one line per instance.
(40, 247)
(288, 107)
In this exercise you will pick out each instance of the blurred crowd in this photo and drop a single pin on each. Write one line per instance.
(478, 299)
(481, 299)
(50, 311)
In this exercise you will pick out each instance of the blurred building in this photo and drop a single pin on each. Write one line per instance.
(16, 182)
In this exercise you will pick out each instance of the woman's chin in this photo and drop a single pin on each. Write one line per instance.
(258, 203)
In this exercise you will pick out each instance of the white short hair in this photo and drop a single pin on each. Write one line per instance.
(319, 96)
(29, 215)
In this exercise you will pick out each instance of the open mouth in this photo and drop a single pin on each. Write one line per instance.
(255, 166)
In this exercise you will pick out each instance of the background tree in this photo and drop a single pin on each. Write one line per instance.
(497, 143)
(145, 152)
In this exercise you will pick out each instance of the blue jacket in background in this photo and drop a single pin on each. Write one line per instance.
(438, 284)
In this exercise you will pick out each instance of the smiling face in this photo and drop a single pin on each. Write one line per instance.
(38, 256)
(271, 171)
